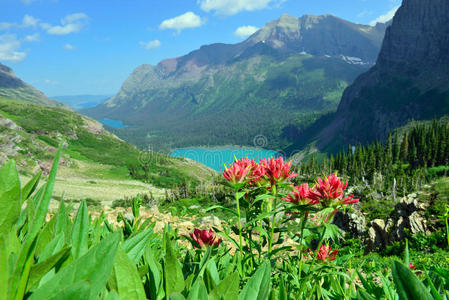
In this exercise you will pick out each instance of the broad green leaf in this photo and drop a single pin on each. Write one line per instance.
(95, 267)
(4, 272)
(46, 235)
(30, 187)
(80, 231)
(112, 295)
(198, 291)
(52, 247)
(211, 278)
(10, 196)
(129, 283)
(177, 296)
(19, 286)
(154, 273)
(228, 289)
(62, 220)
(258, 286)
(408, 286)
(79, 290)
(174, 279)
(136, 245)
(43, 267)
(42, 207)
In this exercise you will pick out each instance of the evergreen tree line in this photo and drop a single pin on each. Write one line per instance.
(400, 164)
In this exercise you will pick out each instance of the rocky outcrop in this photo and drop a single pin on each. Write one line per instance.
(409, 81)
(408, 215)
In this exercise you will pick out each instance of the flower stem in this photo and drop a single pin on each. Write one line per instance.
(273, 221)
(237, 200)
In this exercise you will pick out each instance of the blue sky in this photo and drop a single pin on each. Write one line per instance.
(70, 47)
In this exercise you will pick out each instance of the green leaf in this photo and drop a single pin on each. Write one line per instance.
(39, 270)
(136, 245)
(408, 286)
(228, 289)
(198, 291)
(4, 272)
(222, 208)
(95, 267)
(406, 253)
(10, 196)
(79, 290)
(80, 231)
(129, 284)
(177, 296)
(31, 186)
(258, 285)
(363, 295)
(52, 247)
(174, 279)
(62, 220)
(154, 273)
(42, 207)
(212, 279)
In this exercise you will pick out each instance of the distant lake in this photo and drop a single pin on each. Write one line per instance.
(113, 123)
(215, 158)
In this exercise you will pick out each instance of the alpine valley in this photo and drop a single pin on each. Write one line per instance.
(274, 84)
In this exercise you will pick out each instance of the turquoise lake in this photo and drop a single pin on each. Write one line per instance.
(215, 158)
(113, 123)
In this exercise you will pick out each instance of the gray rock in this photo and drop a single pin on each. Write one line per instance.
(210, 221)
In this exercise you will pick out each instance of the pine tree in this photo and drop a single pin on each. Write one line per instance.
(404, 148)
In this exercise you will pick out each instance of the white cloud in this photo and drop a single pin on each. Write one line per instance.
(29, 21)
(9, 48)
(68, 47)
(150, 45)
(187, 20)
(245, 31)
(70, 24)
(32, 38)
(385, 18)
(231, 7)
(4, 25)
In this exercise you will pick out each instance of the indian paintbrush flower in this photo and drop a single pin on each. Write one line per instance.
(301, 195)
(325, 254)
(330, 192)
(276, 170)
(205, 237)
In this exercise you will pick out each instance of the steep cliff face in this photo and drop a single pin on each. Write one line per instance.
(15, 88)
(409, 81)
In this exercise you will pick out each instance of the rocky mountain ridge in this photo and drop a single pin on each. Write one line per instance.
(13, 87)
(409, 80)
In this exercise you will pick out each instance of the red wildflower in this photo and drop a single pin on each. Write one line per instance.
(301, 194)
(331, 189)
(411, 266)
(238, 171)
(326, 254)
(205, 237)
(276, 170)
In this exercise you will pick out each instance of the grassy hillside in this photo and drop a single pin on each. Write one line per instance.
(30, 133)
